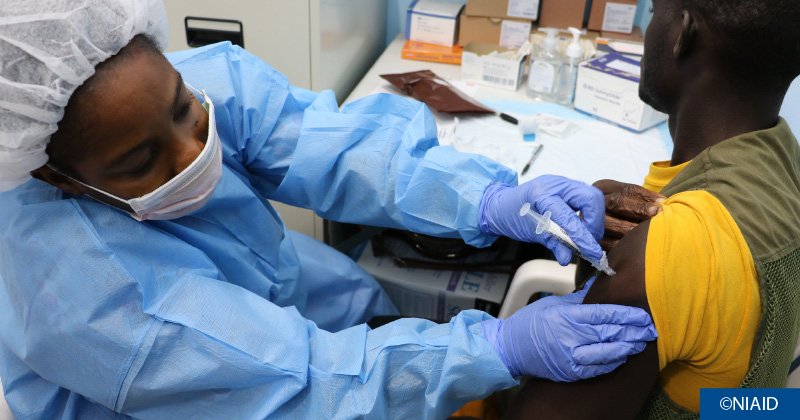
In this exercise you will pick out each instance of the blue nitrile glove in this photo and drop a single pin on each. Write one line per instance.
(559, 339)
(499, 213)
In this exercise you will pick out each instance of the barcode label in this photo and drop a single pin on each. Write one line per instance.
(499, 80)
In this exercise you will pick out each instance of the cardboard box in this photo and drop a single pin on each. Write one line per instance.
(629, 49)
(433, 22)
(511, 33)
(635, 36)
(413, 50)
(613, 15)
(435, 294)
(608, 88)
(478, 66)
(521, 9)
(562, 14)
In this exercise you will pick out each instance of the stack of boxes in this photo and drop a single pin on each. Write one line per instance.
(446, 26)
(506, 23)
(490, 30)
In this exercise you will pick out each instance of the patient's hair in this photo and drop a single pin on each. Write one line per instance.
(763, 35)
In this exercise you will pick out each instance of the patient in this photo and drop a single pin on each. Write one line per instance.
(719, 266)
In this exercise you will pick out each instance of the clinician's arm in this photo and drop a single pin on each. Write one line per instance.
(375, 162)
(150, 328)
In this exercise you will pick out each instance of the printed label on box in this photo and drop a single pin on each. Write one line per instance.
(619, 17)
(497, 72)
(626, 67)
(526, 9)
(432, 30)
(514, 34)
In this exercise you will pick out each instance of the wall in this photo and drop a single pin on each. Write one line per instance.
(396, 16)
(791, 107)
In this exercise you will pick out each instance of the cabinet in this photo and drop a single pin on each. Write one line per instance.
(317, 44)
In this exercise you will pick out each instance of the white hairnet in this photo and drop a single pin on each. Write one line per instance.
(48, 48)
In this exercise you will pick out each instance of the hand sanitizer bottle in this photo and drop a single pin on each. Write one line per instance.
(543, 76)
(569, 70)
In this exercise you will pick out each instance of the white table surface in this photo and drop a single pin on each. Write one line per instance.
(600, 151)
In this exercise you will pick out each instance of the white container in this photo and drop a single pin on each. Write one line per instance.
(569, 70)
(433, 22)
(608, 88)
(479, 65)
(543, 75)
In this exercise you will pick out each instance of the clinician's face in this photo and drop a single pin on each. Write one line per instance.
(145, 127)
(658, 60)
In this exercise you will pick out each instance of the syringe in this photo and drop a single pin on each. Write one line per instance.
(545, 224)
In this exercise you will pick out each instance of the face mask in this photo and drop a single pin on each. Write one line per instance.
(187, 191)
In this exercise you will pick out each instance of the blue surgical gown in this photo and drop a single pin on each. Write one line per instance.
(225, 313)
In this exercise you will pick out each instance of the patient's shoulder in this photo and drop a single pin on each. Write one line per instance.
(627, 258)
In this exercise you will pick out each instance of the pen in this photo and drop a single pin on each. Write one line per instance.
(536, 150)
(508, 118)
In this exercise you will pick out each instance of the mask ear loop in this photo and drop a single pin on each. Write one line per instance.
(193, 88)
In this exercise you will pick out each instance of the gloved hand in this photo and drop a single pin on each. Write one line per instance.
(499, 213)
(559, 339)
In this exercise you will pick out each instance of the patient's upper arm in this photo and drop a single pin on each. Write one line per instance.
(621, 393)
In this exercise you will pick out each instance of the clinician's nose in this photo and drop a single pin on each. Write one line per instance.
(188, 150)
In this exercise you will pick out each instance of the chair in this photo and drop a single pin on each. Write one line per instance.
(537, 276)
(5, 412)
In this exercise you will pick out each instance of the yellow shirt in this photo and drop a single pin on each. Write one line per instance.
(703, 292)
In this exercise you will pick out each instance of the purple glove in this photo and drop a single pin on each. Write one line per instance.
(560, 339)
(499, 213)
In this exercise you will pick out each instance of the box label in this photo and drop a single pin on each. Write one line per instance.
(432, 30)
(626, 67)
(619, 17)
(526, 9)
(514, 34)
(499, 73)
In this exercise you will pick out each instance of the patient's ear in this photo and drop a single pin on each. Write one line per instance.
(686, 37)
(56, 179)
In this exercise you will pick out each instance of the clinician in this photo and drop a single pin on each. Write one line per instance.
(144, 272)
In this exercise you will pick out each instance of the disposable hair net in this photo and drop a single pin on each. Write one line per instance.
(48, 48)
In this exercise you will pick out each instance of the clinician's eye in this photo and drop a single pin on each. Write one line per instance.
(184, 110)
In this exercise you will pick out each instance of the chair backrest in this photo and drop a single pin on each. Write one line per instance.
(791, 107)
(5, 412)
(537, 276)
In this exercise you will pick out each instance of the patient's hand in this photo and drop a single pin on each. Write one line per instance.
(626, 206)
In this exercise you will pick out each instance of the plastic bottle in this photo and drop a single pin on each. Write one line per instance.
(545, 68)
(569, 70)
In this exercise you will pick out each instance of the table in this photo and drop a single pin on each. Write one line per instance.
(599, 151)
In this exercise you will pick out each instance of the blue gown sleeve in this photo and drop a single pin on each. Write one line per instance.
(169, 338)
(375, 162)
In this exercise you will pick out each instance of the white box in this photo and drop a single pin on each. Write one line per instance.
(608, 88)
(435, 294)
(433, 22)
(479, 65)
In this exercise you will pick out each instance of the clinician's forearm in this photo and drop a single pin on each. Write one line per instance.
(406, 369)
(412, 369)
(378, 163)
